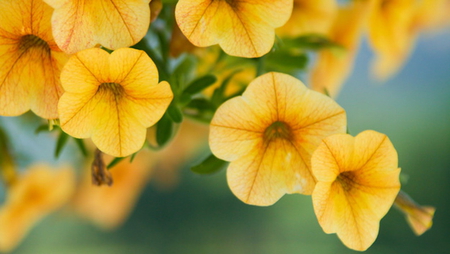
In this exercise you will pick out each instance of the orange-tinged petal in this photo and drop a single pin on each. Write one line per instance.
(269, 134)
(333, 66)
(309, 17)
(79, 24)
(358, 180)
(391, 34)
(241, 28)
(30, 62)
(37, 193)
(112, 98)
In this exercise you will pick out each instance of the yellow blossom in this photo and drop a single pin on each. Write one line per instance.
(109, 206)
(334, 65)
(112, 98)
(35, 194)
(309, 17)
(391, 34)
(269, 133)
(30, 61)
(357, 182)
(420, 218)
(241, 28)
(79, 25)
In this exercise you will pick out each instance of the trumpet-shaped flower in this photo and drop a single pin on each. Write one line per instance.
(79, 25)
(39, 192)
(334, 65)
(109, 206)
(357, 182)
(391, 34)
(419, 218)
(112, 98)
(309, 17)
(30, 61)
(269, 133)
(241, 28)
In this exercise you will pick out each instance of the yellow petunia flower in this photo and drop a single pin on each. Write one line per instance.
(30, 61)
(269, 133)
(333, 65)
(357, 182)
(309, 17)
(109, 206)
(112, 98)
(241, 28)
(419, 218)
(391, 34)
(34, 195)
(114, 24)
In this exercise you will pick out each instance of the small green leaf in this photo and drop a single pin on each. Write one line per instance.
(61, 143)
(81, 146)
(174, 113)
(164, 130)
(200, 84)
(115, 162)
(133, 156)
(41, 128)
(209, 166)
(314, 42)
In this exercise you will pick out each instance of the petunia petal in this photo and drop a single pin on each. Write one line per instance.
(79, 25)
(112, 98)
(241, 28)
(358, 180)
(30, 61)
(269, 134)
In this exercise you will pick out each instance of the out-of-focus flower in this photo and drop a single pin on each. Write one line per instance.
(114, 24)
(30, 61)
(269, 133)
(420, 218)
(309, 17)
(40, 191)
(357, 182)
(334, 65)
(179, 43)
(391, 34)
(112, 98)
(239, 72)
(109, 206)
(190, 141)
(241, 28)
(155, 8)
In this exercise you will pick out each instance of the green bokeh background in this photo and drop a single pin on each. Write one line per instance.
(202, 216)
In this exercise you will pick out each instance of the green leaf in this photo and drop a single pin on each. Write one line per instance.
(200, 84)
(41, 128)
(174, 113)
(164, 129)
(210, 165)
(81, 146)
(286, 60)
(114, 162)
(61, 143)
(313, 42)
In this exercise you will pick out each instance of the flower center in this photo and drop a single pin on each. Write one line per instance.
(277, 130)
(346, 179)
(114, 88)
(32, 41)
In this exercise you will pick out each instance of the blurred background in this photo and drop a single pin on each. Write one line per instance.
(201, 215)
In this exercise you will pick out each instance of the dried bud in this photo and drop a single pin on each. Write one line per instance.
(100, 174)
